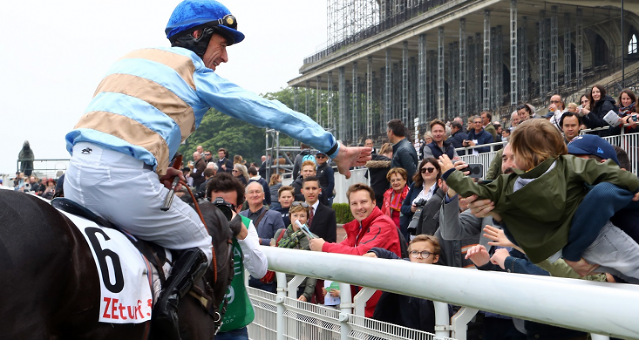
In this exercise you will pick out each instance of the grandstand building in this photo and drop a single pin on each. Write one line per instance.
(422, 59)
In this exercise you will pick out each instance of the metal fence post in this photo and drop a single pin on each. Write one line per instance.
(281, 298)
(346, 309)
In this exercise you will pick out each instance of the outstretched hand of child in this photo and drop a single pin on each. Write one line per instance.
(636, 198)
(478, 254)
(496, 237)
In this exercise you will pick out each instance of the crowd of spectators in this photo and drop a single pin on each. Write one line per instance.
(411, 212)
(422, 208)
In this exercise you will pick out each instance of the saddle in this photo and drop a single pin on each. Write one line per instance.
(155, 254)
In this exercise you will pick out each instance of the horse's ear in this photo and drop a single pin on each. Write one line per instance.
(216, 222)
(236, 225)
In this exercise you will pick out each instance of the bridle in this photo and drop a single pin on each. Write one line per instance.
(206, 296)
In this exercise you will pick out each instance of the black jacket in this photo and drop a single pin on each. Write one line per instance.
(378, 167)
(324, 223)
(595, 119)
(405, 156)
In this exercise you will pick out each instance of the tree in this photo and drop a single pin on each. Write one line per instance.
(218, 130)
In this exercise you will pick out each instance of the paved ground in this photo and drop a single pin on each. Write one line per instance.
(340, 233)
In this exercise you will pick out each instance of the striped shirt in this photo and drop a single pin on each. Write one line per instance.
(152, 99)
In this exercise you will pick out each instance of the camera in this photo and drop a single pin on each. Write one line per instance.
(476, 170)
(225, 207)
(414, 222)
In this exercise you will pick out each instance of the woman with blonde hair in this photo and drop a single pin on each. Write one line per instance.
(238, 159)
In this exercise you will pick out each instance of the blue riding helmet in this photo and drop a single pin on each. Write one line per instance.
(192, 13)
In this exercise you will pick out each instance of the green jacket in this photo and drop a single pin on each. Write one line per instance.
(494, 169)
(539, 215)
(295, 240)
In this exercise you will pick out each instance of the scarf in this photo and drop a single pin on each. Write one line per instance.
(394, 203)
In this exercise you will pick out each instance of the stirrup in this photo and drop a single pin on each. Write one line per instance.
(189, 267)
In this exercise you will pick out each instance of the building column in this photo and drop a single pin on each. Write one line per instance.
(499, 68)
(342, 103)
(355, 103)
(541, 25)
(462, 67)
(554, 50)
(329, 101)
(567, 51)
(441, 99)
(404, 115)
(523, 57)
(369, 96)
(308, 86)
(513, 53)
(486, 81)
(421, 78)
(580, 49)
(388, 87)
(318, 102)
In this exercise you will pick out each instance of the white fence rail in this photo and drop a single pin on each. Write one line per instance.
(600, 308)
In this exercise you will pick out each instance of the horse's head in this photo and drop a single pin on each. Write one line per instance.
(204, 309)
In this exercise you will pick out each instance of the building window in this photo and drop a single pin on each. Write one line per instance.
(632, 45)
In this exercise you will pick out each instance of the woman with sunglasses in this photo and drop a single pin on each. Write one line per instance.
(396, 194)
(240, 172)
(423, 189)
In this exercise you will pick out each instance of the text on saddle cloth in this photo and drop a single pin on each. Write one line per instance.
(125, 283)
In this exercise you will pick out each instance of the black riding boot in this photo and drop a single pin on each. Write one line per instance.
(188, 268)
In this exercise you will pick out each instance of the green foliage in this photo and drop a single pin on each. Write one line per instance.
(342, 212)
(218, 130)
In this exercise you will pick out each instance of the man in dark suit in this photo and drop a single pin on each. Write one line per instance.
(321, 220)
(262, 169)
(198, 169)
(224, 163)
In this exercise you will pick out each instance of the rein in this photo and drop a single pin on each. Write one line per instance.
(206, 296)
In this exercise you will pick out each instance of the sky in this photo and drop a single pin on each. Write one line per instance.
(53, 55)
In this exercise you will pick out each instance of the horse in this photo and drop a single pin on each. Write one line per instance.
(49, 283)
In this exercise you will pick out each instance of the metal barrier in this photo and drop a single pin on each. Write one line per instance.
(600, 308)
(627, 141)
(295, 319)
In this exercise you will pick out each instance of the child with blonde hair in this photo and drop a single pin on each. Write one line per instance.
(538, 201)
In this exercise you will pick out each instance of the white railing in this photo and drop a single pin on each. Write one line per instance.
(595, 307)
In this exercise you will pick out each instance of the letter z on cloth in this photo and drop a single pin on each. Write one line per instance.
(125, 291)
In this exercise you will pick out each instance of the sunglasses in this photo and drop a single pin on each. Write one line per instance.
(430, 170)
(298, 203)
(320, 156)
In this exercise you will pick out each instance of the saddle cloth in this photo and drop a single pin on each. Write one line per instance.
(125, 275)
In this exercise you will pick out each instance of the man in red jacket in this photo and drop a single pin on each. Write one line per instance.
(370, 229)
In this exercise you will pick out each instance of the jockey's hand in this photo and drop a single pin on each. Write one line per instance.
(349, 157)
(167, 179)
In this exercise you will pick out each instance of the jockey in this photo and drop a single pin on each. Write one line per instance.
(148, 103)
